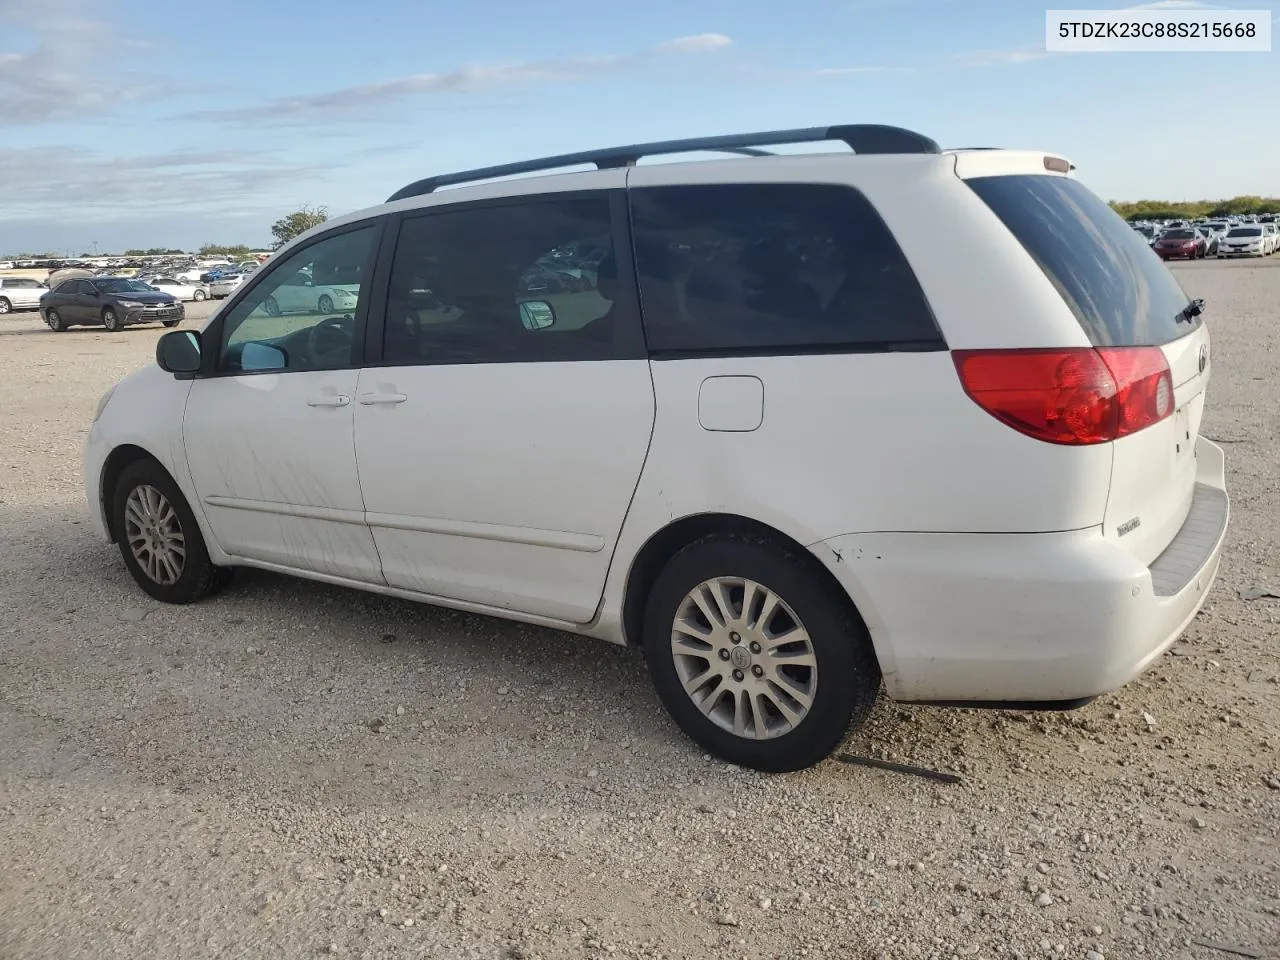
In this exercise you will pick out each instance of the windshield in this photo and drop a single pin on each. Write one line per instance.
(1179, 235)
(1246, 232)
(121, 285)
(1119, 290)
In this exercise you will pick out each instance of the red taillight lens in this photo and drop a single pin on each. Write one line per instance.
(1078, 395)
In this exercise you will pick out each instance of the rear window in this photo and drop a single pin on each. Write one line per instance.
(761, 267)
(1119, 290)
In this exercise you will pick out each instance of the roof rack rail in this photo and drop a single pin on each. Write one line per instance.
(861, 138)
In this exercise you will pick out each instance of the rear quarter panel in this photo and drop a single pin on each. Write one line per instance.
(878, 442)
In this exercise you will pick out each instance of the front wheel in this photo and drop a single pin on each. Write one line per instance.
(159, 538)
(170, 323)
(54, 319)
(111, 319)
(5, 305)
(326, 304)
(198, 296)
(757, 657)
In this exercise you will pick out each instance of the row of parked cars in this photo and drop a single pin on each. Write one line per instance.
(182, 283)
(1194, 240)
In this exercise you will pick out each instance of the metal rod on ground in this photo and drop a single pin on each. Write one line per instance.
(900, 768)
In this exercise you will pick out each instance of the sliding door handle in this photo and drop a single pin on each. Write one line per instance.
(371, 398)
(332, 400)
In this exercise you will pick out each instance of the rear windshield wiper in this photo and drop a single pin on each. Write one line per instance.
(1190, 311)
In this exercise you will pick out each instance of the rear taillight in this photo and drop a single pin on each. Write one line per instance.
(1078, 395)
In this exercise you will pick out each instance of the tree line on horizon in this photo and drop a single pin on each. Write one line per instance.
(1184, 209)
(283, 230)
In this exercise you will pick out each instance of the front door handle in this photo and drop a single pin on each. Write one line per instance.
(334, 400)
(371, 398)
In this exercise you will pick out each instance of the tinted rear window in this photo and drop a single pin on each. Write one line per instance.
(1119, 290)
(773, 266)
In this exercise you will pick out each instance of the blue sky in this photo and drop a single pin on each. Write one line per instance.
(144, 122)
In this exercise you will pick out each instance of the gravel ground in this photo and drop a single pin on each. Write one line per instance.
(292, 769)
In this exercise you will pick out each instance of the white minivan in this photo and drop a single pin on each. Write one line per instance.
(807, 426)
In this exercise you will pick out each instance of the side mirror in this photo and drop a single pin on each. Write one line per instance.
(537, 315)
(178, 352)
(262, 356)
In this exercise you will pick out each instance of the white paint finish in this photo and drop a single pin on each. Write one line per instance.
(731, 404)
(1154, 473)
(1077, 613)
(994, 163)
(277, 476)
(861, 442)
(488, 481)
(145, 411)
(554, 539)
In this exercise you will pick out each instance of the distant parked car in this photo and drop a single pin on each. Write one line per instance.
(1271, 237)
(225, 285)
(1244, 241)
(20, 293)
(300, 294)
(113, 302)
(179, 288)
(1186, 244)
(215, 272)
(1210, 240)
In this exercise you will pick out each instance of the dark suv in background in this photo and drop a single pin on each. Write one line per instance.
(113, 302)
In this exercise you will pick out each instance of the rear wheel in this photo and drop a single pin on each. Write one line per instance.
(757, 658)
(5, 305)
(326, 304)
(198, 296)
(54, 319)
(111, 319)
(271, 307)
(159, 538)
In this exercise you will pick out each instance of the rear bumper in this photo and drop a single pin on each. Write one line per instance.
(1028, 617)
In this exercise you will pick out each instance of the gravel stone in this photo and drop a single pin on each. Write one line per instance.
(255, 812)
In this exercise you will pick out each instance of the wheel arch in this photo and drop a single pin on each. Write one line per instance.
(119, 460)
(671, 539)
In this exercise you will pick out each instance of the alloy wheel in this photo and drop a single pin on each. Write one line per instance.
(744, 658)
(154, 534)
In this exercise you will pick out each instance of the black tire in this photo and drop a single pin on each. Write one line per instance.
(325, 303)
(55, 321)
(170, 323)
(198, 576)
(271, 307)
(5, 306)
(847, 673)
(111, 320)
(198, 296)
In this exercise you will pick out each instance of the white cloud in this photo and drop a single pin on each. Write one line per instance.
(988, 58)
(75, 183)
(342, 103)
(70, 69)
(848, 71)
(695, 44)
